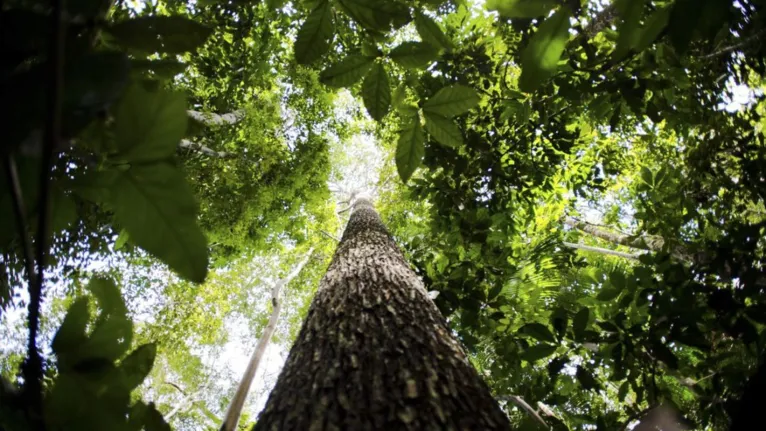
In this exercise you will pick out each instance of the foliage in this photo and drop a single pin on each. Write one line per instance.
(520, 129)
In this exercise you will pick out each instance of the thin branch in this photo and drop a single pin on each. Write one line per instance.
(735, 47)
(211, 119)
(332, 237)
(633, 256)
(21, 216)
(524, 406)
(194, 146)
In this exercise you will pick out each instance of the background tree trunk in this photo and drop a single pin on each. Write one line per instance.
(374, 353)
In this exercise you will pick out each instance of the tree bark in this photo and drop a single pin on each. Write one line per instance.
(374, 353)
(632, 256)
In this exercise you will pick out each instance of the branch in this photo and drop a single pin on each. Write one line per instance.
(211, 119)
(193, 146)
(524, 406)
(235, 408)
(329, 235)
(633, 256)
(735, 47)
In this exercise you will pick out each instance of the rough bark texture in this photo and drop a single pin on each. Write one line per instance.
(374, 353)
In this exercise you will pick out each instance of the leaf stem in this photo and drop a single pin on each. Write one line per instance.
(20, 212)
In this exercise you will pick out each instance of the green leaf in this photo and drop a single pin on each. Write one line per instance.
(580, 322)
(452, 100)
(556, 365)
(409, 149)
(137, 365)
(540, 58)
(122, 239)
(149, 125)
(168, 34)
(623, 391)
(315, 35)
(157, 208)
(559, 320)
(110, 338)
(655, 25)
(617, 279)
(430, 32)
(375, 15)
(72, 330)
(607, 294)
(376, 92)
(538, 352)
(413, 55)
(586, 379)
(631, 12)
(522, 8)
(154, 420)
(538, 331)
(108, 295)
(347, 72)
(444, 130)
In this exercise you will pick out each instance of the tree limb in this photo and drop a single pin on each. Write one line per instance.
(633, 256)
(211, 119)
(524, 406)
(194, 146)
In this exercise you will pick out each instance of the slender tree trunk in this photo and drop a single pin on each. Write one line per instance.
(374, 353)
(235, 408)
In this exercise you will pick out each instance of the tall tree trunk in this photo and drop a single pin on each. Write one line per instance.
(374, 353)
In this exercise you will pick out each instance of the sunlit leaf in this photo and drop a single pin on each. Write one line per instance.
(347, 72)
(149, 125)
(452, 100)
(430, 32)
(413, 55)
(376, 92)
(540, 58)
(443, 129)
(409, 149)
(157, 208)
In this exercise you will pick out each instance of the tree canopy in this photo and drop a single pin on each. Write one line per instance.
(580, 183)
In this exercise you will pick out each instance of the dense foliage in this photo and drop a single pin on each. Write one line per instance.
(581, 181)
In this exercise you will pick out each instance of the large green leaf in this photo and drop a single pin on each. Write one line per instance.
(315, 35)
(443, 129)
(409, 149)
(430, 32)
(376, 92)
(376, 15)
(537, 352)
(347, 72)
(586, 378)
(149, 125)
(540, 58)
(157, 208)
(580, 322)
(607, 293)
(522, 8)
(452, 100)
(136, 366)
(538, 331)
(655, 25)
(169, 34)
(412, 55)
(71, 333)
(631, 12)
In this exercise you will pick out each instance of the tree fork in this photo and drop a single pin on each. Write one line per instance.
(374, 353)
